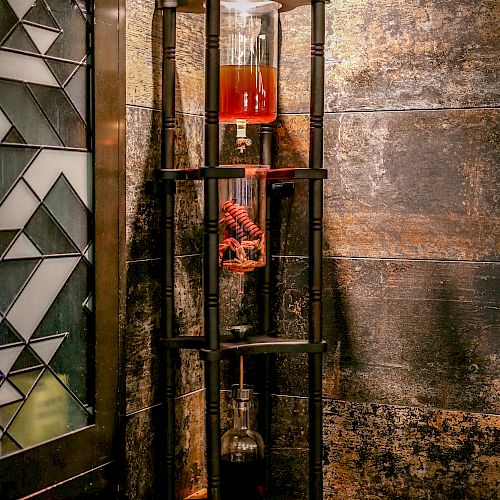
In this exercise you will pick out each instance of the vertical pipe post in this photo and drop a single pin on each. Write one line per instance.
(266, 140)
(315, 247)
(167, 197)
(210, 241)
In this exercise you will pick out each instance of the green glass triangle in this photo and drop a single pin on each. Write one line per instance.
(62, 414)
(7, 336)
(24, 381)
(40, 15)
(13, 137)
(7, 446)
(13, 160)
(20, 40)
(6, 413)
(26, 360)
(5, 238)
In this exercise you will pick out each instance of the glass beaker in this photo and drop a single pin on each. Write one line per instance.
(249, 61)
(242, 221)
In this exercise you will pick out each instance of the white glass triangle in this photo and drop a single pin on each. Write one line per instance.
(25, 68)
(42, 37)
(38, 295)
(8, 394)
(8, 357)
(4, 125)
(47, 348)
(89, 253)
(18, 207)
(22, 248)
(89, 303)
(20, 7)
(50, 163)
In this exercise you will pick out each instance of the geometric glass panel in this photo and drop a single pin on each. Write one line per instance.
(7, 19)
(22, 248)
(4, 125)
(41, 290)
(62, 115)
(13, 160)
(22, 67)
(76, 89)
(7, 446)
(67, 314)
(8, 393)
(26, 360)
(25, 381)
(48, 412)
(46, 180)
(20, 7)
(28, 118)
(69, 211)
(62, 70)
(14, 274)
(7, 412)
(71, 44)
(13, 137)
(44, 231)
(20, 40)
(42, 37)
(40, 15)
(6, 238)
(8, 356)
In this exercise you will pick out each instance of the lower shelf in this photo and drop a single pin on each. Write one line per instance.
(258, 344)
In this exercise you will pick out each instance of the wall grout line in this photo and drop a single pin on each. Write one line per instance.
(390, 259)
(396, 110)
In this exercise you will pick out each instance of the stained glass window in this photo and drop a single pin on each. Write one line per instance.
(46, 178)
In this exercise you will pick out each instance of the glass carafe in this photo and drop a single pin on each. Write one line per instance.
(242, 461)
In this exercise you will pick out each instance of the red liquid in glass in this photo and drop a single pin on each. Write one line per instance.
(248, 93)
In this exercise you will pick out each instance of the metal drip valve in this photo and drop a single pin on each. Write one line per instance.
(242, 141)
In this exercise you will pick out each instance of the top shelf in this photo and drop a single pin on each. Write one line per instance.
(197, 6)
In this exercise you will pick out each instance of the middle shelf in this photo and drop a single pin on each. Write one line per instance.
(256, 344)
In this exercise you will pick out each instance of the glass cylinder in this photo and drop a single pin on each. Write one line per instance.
(249, 61)
(242, 220)
(242, 461)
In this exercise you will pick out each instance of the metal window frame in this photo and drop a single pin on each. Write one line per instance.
(63, 463)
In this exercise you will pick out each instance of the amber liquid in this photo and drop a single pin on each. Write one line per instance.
(242, 480)
(248, 93)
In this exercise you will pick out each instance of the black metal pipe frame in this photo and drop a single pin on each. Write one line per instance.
(167, 202)
(315, 247)
(210, 249)
(266, 141)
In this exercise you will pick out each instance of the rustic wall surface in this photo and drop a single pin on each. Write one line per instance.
(411, 272)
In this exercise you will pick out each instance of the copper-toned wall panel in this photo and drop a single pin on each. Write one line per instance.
(144, 54)
(144, 378)
(395, 55)
(382, 451)
(400, 332)
(143, 157)
(401, 184)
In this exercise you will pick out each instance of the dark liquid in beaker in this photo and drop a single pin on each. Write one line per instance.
(248, 93)
(242, 480)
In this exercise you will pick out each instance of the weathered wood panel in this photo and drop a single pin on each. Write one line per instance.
(395, 55)
(143, 375)
(382, 451)
(399, 332)
(144, 58)
(143, 157)
(401, 185)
